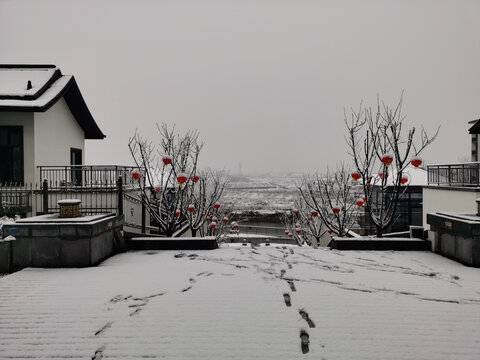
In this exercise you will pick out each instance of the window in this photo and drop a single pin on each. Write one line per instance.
(11, 154)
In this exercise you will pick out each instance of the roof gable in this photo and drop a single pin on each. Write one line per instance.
(48, 86)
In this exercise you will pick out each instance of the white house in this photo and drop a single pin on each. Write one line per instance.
(43, 121)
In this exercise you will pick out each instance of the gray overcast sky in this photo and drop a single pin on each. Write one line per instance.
(265, 82)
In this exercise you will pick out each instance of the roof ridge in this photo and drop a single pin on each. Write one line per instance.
(27, 66)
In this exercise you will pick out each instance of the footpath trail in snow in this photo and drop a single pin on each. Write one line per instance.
(245, 303)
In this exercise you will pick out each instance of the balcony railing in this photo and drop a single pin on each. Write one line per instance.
(465, 174)
(86, 176)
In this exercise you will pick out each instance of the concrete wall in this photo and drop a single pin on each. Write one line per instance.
(24, 119)
(449, 199)
(56, 131)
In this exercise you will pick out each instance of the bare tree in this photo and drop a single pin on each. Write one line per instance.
(303, 224)
(203, 198)
(380, 149)
(169, 180)
(332, 198)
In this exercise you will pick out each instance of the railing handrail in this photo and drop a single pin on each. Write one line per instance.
(455, 164)
(88, 166)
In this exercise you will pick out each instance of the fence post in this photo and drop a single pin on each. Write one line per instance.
(144, 199)
(45, 196)
(120, 195)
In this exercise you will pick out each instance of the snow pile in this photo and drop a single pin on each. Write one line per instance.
(245, 303)
(4, 220)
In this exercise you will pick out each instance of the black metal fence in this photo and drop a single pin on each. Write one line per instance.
(92, 176)
(101, 189)
(466, 174)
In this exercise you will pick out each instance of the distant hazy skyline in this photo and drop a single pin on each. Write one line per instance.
(265, 82)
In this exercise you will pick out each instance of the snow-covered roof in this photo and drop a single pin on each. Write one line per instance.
(48, 85)
(231, 303)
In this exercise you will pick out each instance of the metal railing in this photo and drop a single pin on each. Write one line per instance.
(465, 174)
(86, 176)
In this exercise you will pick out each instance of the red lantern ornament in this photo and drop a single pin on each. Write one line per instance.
(336, 209)
(213, 225)
(235, 225)
(286, 232)
(202, 215)
(314, 213)
(182, 179)
(167, 160)
(330, 232)
(216, 206)
(359, 202)
(404, 180)
(191, 208)
(416, 162)
(158, 190)
(387, 159)
(380, 174)
(290, 235)
(177, 212)
(310, 219)
(364, 199)
(225, 220)
(295, 211)
(356, 176)
(214, 219)
(195, 179)
(298, 231)
(136, 175)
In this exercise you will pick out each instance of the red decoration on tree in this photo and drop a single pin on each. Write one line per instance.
(177, 212)
(225, 220)
(330, 232)
(380, 174)
(359, 202)
(182, 179)
(416, 162)
(290, 235)
(356, 176)
(216, 206)
(298, 231)
(202, 215)
(195, 178)
(191, 208)
(213, 225)
(214, 219)
(364, 199)
(387, 159)
(235, 225)
(404, 179)
(158, 190)
(136, 175)
(286, 232)
(295, 211)
(314, 213)
(336, 209)
(166, 160)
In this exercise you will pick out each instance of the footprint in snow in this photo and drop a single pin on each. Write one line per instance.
(287, 299)
(304, 341)
(104, 328)
(305, 317)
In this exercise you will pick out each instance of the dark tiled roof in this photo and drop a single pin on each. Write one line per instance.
(475, 129)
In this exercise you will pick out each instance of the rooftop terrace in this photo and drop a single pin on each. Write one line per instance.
(230, 304)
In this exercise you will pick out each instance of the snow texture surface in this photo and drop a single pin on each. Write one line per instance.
(13, 82)
(245, 303)
(43, 99)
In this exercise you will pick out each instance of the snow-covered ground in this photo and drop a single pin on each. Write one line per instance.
(230, 304)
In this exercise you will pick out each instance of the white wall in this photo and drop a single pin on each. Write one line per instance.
(56, 131)
(24, 119)
(441, 199)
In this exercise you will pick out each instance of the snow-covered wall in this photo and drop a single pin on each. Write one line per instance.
(24, 119)
(449, 199)
(56, 132)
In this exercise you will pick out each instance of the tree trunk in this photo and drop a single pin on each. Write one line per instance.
(194, 232)
(379, 232)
